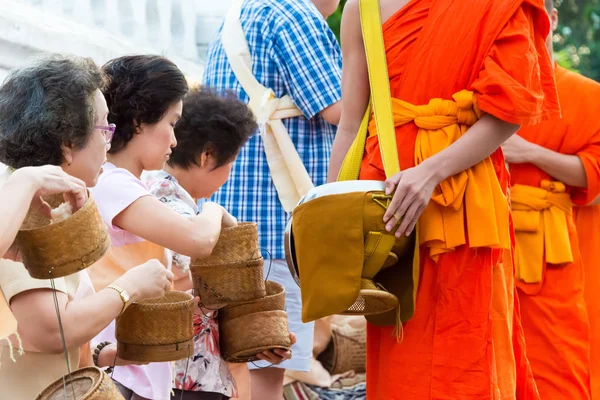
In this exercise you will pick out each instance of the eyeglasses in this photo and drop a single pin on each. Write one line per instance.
(109, 132)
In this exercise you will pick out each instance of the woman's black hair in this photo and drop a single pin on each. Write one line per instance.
(140, 90)
(219, 124)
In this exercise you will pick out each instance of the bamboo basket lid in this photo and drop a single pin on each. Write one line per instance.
(63, 248)
(89, 383)
(235, 244)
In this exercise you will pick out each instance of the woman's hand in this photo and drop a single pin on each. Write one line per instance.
(412, 191)
(150, 280)
(49, 180)
(229, 220)
(277, 356)
(108, 357)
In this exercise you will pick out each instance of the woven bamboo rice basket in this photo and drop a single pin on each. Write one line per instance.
(227, 284)
(63, 248)
(89, 383)
(249, 329)
(157, 330)
(346, 351)
(235, 244)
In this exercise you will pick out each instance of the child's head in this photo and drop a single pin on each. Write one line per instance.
(144, 96)
(210, 134)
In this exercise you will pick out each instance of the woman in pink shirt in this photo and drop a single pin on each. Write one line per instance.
(144, 96)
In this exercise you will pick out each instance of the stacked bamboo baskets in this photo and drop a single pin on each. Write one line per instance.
(253, 317)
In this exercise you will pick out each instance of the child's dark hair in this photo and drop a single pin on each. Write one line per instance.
(219, 124)
(140, 90)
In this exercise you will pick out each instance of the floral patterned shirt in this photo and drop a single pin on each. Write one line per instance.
(206, 371)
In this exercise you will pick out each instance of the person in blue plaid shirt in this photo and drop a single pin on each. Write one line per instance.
(293, 53)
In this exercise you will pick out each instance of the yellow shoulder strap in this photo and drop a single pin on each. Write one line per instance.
(380, 101)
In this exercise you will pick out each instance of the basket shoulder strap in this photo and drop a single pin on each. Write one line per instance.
(380, 102)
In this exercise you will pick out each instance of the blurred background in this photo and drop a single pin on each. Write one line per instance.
(182, 30)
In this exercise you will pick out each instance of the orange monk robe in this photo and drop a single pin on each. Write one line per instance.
(580, 104)
(465, 339)
(554, 312)
(587, 222)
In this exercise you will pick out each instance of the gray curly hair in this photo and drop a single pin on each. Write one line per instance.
(46, 105)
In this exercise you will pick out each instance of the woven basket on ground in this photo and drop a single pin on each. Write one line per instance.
(231, 283)
(245, 330)
(89, 383)
(61, 249)
(235, 244)
(157, 330)
(346, 351)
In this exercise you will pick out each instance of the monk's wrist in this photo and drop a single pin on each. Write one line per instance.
(537, 155)
(437, 168)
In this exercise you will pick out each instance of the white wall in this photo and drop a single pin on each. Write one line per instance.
(27, 31)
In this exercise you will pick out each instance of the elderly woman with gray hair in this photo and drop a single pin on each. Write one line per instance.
(53, 113)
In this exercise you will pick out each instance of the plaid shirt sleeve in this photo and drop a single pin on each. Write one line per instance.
(308, 57)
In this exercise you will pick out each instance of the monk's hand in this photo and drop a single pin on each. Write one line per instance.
(412, 191)
(518, 150)
(277, 356)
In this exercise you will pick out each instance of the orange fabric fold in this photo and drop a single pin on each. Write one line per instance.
(541, 234)
(587, 222)
(561, 315)
(475, 191)
(579, 98)
(465, 340)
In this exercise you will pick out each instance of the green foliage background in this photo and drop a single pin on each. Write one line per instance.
(576, 41)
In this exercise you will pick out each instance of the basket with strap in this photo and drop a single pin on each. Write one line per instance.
(89, 383)
(336, 236)
(246, 330)
(53, 250)
(157, 330)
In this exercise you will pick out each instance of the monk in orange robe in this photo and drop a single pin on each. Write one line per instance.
(464, 75)
(587, 222)
(553, 166)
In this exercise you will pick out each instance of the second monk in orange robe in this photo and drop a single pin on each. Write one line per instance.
(587, 222)
(555, 165)
(486, 63)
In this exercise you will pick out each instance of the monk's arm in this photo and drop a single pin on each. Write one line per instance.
(355, 87)
(479, 142)
(332, 113)
(566, 168)
(595, 202)
(413, 187)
